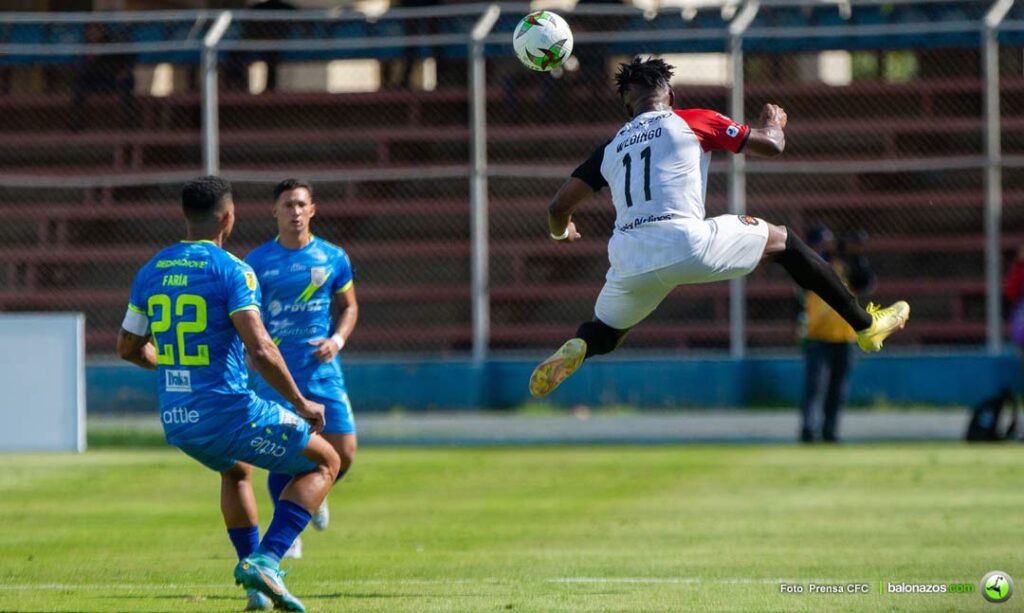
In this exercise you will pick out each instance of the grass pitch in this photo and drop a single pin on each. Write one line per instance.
(693, 528)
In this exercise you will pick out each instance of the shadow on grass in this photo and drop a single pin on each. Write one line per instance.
(124, 438)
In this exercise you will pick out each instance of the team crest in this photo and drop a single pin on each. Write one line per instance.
(250, 280)
(747, 220)
(317, 275)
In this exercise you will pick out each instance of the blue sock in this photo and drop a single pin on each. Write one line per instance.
(276, 483)
(245, 540)
(289, 521)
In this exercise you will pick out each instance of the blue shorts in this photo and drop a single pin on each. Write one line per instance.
(273, 438)
(328, 391)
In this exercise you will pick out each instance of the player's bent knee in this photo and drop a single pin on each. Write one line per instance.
(600, 337)
(776, 239)
(345, 445)
(333, 467)
(323, 455)
(346, 457)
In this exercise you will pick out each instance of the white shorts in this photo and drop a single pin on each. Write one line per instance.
(734, 245)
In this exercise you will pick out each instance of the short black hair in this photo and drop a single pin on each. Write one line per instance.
(201, 197)
(290, 184)
(651, 73)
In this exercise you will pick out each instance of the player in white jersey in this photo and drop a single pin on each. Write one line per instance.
(656, 167)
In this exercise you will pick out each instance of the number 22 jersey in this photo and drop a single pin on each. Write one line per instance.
(185, 296)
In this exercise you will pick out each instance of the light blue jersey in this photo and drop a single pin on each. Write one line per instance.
(184, 297)
(298, 287)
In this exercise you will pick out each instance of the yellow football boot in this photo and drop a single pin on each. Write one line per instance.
(550, 373)
(885, 322)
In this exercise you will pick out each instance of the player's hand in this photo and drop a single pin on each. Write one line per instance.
(325, 350)
(573, 234)
(772, 114)
(313, 412)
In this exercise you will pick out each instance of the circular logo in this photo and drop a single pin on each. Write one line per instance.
(275, 308)
(997, 587)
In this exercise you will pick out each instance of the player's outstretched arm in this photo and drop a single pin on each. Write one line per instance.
(266, 357)
(770, 139)
(573, 192)
(136, 349)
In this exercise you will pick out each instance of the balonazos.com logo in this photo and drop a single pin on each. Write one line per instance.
(997, 587)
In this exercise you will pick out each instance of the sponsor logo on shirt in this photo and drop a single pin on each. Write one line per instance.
(250, 280)
(180, 415)
(268, 447)
(296, 267)
(286, 328)
(640, 221)
(181, 262)
(274, 307)
(732, 131)
(747, 220)
(178, 381)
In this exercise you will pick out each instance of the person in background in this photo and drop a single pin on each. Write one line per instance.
(269, 28)
(103, 74)
(828, 339)
(399, 73)
(1013, 290)
(302, 277)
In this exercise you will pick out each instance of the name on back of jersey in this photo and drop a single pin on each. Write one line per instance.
(646, 132)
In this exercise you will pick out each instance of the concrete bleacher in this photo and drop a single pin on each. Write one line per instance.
(389, 128)
(87, 246)
(78, 248)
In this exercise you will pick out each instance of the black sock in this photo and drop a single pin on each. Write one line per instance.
(600, 338)
(814, 274)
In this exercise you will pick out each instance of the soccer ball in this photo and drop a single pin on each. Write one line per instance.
(543, 41)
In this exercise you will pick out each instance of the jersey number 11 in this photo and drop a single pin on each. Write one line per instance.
(645, 155)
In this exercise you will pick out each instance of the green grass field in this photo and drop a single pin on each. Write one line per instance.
(692, 528)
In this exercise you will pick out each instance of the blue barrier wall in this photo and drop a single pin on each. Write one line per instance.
(948, 379)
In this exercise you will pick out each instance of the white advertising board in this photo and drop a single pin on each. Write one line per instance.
(42, 382)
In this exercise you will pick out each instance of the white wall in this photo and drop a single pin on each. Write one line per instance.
(42, 382)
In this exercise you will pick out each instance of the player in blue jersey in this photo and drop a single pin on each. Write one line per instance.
(302, 276)
(192, 308)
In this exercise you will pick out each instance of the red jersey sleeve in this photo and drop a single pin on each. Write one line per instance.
(714, 130)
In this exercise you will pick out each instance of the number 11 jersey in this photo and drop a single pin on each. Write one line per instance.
(656, 168)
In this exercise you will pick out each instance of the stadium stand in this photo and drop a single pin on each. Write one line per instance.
(79, 247)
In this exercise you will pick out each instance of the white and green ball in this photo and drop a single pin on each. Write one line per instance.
(542, 40)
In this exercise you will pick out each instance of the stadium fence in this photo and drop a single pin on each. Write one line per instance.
(434, 154)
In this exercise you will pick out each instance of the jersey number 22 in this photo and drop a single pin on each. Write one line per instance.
(165, 352)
